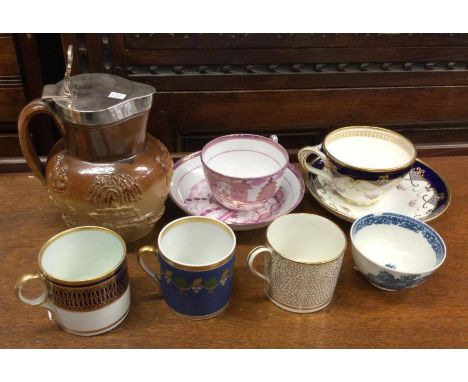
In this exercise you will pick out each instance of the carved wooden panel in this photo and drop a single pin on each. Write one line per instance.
(298, 86)
(8, 65)
(288, 40)
(193, 140)
(206, 62)
(412, 111)
(12, 97)
(11, 88)
(12, 101)
(20, 81)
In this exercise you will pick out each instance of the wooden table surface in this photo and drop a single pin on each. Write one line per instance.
(433, 315)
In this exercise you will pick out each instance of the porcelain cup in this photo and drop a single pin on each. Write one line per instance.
(303, 256)
(395, 251)
(361, 162)
(84, 279)
(196, 264)
(244, 170)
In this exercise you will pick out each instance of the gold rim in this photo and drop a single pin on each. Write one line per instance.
(351, 219)
(304, 262)
(402, 167)
(86, 281)
(196, 268)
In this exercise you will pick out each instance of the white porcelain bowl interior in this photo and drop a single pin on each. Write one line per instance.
(244, 156)
(398, 243)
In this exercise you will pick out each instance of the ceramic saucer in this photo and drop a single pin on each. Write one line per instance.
(422, 195)
(190, 191)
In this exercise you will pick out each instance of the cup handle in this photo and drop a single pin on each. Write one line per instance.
(141, 253)
(42, 300)
(251, 257)
(304, 153)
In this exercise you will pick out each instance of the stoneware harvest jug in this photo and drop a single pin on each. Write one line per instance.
(106, 170)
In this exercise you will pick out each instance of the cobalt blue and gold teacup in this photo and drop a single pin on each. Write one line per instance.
(361, 162)
(196, 260)
(84, 277)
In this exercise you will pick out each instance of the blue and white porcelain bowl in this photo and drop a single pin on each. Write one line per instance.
(394, 251)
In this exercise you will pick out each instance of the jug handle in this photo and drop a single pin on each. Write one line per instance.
(33, 108)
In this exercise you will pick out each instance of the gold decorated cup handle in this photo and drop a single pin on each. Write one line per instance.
(141, 254)
(304, 153)
(251, 257)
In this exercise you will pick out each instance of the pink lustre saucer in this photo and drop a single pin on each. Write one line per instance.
(190, 191)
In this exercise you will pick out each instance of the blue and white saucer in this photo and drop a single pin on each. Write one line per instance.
(422, 195)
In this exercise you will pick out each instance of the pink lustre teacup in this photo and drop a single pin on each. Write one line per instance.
(244, 170)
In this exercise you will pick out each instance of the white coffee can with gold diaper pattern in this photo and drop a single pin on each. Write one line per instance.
(84, 279)
(303, 257)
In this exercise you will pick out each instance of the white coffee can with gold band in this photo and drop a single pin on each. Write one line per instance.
(85, 283)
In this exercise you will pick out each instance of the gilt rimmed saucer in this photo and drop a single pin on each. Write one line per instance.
(190, 191)
(422, 194)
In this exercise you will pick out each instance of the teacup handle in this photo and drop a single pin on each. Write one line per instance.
(304, 153)
(42, 300)
(251, 257)
(141, 253)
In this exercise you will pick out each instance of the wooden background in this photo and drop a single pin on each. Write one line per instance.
(298, 86)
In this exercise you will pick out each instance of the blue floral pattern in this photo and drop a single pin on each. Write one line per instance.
(197, 293)
(406, 222)
(198, 283)
(388, 281)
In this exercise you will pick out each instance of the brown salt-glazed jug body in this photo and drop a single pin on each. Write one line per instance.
(106, 170)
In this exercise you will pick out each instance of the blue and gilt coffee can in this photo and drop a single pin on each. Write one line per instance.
(196, 259)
